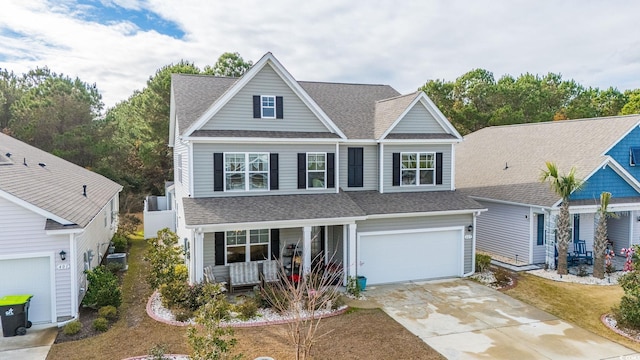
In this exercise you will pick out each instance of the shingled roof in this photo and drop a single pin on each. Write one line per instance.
(52, 184)
(505, 162)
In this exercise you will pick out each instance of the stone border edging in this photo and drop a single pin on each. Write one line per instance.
(615, 329)
(235, 325)
(147, 357)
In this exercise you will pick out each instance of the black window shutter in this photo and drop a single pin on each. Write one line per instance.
(218, 172)
(279, 108)
(355, 167)
(438, 168)
(257, 107)
(302, 170)
(275, 244)
(273, 171)
(331, 170)
(219, 247)
(396, 169)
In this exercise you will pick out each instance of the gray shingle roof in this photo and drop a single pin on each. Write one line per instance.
(389, 110)
(372, 202)
(523, 149)
(55, 187)
(264, 134)
(246, 209)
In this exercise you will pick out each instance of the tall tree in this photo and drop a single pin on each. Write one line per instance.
(632, 106)
(10, 92)
(229, 64)
(600, 241)
(563, 185)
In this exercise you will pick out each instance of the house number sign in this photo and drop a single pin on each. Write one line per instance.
(63, 266)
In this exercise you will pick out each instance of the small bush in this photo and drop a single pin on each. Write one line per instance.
(121, 242)
(108, 312)
(72, 328)
(183, 315)
(174, 294)
(274, 297)
(628, 313)
(103, 289)
(582, 270)
(503, 277)
(482, 262)
(353, 286)
(157, 352)
(247, 309)
(115, 267)
(101, 324)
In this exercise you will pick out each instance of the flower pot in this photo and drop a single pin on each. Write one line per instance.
(362, 282)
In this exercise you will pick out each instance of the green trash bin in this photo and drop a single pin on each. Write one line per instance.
(14, 314)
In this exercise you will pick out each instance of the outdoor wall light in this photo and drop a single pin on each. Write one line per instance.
(470, 228)
(63, 255)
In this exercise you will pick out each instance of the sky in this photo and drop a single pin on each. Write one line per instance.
(119, 44)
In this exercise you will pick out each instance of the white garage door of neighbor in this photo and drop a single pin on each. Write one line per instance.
(416, 255)
(29, 276)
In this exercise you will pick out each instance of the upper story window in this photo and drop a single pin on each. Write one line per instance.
(316, 170)
(268, 106)
(243, 245)
(246, 171)
(418, 168)
(634, 156)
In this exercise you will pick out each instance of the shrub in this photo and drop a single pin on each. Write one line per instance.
(183, 315)
(582, 270)
(247, 309)
(128, 224)
(503, 277)
(274, 297)
(157, 352)
(165, 260)
(103, 289)
(101, 324)
(211, 341)
(482, 262)
(120, 242)
(115, 267)
(628, 313)
(108, 312)
(174, 294)
(353, 286)
(72, 328)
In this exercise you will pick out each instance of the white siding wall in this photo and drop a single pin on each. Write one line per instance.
(22, 232)
(635, 225)
(180, 148)
(587, 229)
(370, 167)
(418, 120)
(287, 172)
(388, 167)
(504, 231)
(237, 114)
(619, 231)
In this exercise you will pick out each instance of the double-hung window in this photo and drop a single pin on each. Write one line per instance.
(246, 171)
(316, 170)
(418, 168)
(268, 106)
(243, 245)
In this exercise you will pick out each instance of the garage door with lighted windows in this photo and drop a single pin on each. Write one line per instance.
(29, 276)
(387, 257)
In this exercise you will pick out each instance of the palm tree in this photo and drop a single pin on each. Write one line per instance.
(600, 242)
(563, 185)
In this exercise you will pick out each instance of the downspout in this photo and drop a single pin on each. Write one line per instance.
(381, 168)
(473, 246)
(336, 174)
(74, 281)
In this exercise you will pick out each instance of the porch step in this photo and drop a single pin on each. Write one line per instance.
(516, 268)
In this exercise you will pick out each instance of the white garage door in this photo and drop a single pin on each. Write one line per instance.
(412, 255)
(29, 276)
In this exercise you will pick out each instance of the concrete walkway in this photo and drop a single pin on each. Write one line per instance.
(34, 345)
(462, 319)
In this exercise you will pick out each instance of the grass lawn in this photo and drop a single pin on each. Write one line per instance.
(579, 304)
(359, 334)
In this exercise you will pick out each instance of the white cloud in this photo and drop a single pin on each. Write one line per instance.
(403, 44)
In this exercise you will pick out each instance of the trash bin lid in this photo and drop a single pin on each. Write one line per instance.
(14, 299)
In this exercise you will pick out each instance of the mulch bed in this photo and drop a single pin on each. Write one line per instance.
(86, 318)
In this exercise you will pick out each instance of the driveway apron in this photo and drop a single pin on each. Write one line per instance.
(462, 319)
(34, 345)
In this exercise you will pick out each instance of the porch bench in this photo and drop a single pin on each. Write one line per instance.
(270, 272)
(243, 274)
(210, 278)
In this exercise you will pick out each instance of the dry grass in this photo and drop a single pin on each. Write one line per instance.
(579, 304)
(359, 334)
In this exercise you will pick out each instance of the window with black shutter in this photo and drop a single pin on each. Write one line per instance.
(355, 167)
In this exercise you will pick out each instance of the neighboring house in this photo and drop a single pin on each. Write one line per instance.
(500, 167)
(56, 220)
(358, 175)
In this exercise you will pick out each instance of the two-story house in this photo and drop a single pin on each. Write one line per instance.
(357, 175)
(500, 167)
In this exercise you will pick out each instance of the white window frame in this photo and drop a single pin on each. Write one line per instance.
(263, 106)
(631, 157)
(316, 171)
(247, 244)
(247, 172)
(417, 169)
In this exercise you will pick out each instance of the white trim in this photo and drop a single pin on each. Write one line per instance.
(262, 107)
(73, 263)
(345, 255)
(65, 231)
(353, 256)
(336, 170)
(426, 213)
(306, 250)
(246, 172)
(16, 200)
(52, 274)
(417, 169)
(280, 224)
(257, 140)
(453, 167)
(480, 198)
(172, 118)
(267, 59)
(420, 141)
(532, 240)
(247, 245)
(190, 165)
(316, 153)
(381, 169)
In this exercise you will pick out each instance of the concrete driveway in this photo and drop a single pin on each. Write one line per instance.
(34, 345)
(462, 319)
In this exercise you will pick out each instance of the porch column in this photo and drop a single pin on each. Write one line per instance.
(197, 256)
(550, 237)
(345, 254)
(306, 249)
(352, 250)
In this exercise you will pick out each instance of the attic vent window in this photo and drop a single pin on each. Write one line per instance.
(634, 157)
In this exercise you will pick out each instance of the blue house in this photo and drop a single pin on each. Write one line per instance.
(500, 167)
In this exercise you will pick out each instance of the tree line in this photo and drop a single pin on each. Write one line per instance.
(128, 142)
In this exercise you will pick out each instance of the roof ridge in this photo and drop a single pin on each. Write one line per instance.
(341, 83)
(205, 75)
(398, 97)
(564, 121)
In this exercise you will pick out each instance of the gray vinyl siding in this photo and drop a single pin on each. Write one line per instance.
(335, 247)
(619, 231)
(370, 168)
(424, 222)
(288, 167)
(418, 120)
(504, 230)
(635, 237)
(237, 114)
(387, 180)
